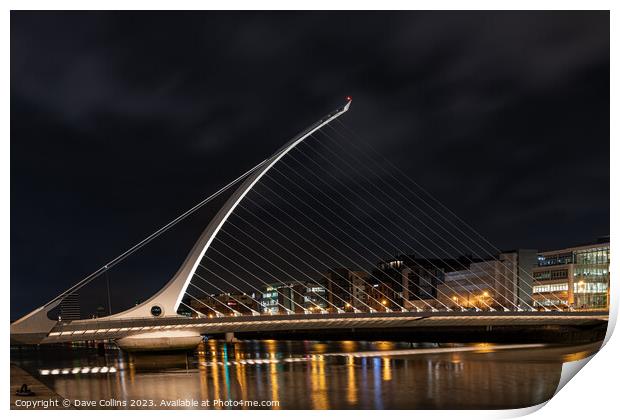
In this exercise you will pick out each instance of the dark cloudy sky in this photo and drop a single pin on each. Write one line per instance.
(120, 121)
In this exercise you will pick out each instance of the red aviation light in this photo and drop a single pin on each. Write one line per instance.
(348, 98)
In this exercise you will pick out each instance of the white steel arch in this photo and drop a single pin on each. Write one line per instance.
(169, 297)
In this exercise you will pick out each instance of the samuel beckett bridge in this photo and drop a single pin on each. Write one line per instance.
(271, 260)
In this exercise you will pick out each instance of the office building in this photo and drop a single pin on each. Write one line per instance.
(346, 289)
(575, 278)
(504, 282)
(298, 297)
(421, 278)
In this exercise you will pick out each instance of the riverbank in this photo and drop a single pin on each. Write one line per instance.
(43, 398)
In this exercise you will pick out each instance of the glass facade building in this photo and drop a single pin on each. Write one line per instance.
(575, 278)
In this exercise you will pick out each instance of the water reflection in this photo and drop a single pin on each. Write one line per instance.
(351, 382)
(387, 369)
(320, 375)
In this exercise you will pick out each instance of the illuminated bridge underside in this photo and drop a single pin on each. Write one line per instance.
(115, 329)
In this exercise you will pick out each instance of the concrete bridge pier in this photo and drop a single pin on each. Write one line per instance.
(230, 337)
(161, 341)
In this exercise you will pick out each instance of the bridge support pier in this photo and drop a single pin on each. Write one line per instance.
(160, 341)
(230, 337)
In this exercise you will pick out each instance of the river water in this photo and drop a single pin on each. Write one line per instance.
(306, 375)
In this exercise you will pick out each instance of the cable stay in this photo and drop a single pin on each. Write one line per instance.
(115, 261)
(322, 207)
(332, 204)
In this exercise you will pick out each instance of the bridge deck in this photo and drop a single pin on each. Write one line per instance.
(114, 329)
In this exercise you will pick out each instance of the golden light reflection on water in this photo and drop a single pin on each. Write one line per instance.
(271, 346)
(241, 374)
(317, 383)
(351, 383)
(385, 345)
(202, 370)
(387, 369)
(319, 347)
(484, 348)
(573, 357)
(273, 379)
(132, 370)
(348, 346)
(215, 372)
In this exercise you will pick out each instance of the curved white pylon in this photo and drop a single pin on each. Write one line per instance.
(169, 297)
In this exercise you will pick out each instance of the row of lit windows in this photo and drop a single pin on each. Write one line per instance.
(593, 256)
(554, 274)
(557, 259)
(546, 288)
(588, 256)
(581, 287)
(562, 274)
(590, 272)
(589, 287)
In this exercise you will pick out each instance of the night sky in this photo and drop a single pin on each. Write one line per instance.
(121, 121)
